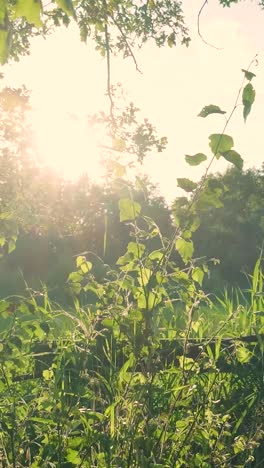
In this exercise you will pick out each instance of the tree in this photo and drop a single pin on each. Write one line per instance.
(72, 380)
(234, 232)
(115, 26)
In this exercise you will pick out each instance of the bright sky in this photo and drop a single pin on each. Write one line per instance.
(68, 78)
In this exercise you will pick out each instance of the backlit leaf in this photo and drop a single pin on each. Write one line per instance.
(67, 7)
(209, 198)
(156, 255)
(243, 354)
(3, 12)
(196, 159)
(144, 276)
(198, 275)
(249, 75)
(75, 277)
(211, 109)
(128, 209)
(248, 97)
(73, 457)
(29, 9)
(220, 143)
(185, 248)
(186, 184)
(83, 264)
(4, 45)
(86, 267)
(81, 259)
(233, 157)
(47, 374)
(240, 444)
(136, 249)
(148, 302)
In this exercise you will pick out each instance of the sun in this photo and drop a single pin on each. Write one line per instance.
(66, 82)
(66, 143)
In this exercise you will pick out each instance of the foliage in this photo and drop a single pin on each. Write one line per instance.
(107, 383)
(238, 223)
(141, 370)
(13, 140)
(132, 373)
(127, 136)
(115, 25)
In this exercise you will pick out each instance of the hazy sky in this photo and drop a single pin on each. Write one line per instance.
(69, 77)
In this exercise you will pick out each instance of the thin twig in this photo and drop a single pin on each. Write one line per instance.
(199, 30)
(127, 44)
(108, 84)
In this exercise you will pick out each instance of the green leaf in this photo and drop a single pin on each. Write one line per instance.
(144, 276)
(108, 323)
(220, 143)
(42, 420)
(211, 109)
(209, 198)
(129, 210)
(187, 363)
(185, 248)
(4, 32)
(86, 267)
(76, 442)
(47, 374)
(73, 457)
(249, 75)
(81, 259)
(83, 264)
(124, 369)
(156, 255)
(136, 249)
(248, 97)
(243, 354)
(233, 157)
(147, 303)
(198, 275)
(75, 277)
(240, 444)
(195, 224)
(186, 184)
(29, 9)
(124, 259)
(171, 40)
(196, 159)
(67, 7)
(4, 45)
(3, 12)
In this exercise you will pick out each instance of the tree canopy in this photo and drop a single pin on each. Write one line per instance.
(116, 26)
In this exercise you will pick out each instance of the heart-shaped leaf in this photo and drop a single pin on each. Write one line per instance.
(220, 143)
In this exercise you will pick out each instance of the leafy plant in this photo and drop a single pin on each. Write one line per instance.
(133, 373)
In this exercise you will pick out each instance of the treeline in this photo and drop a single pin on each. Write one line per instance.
(59, 220)
(55, 220)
